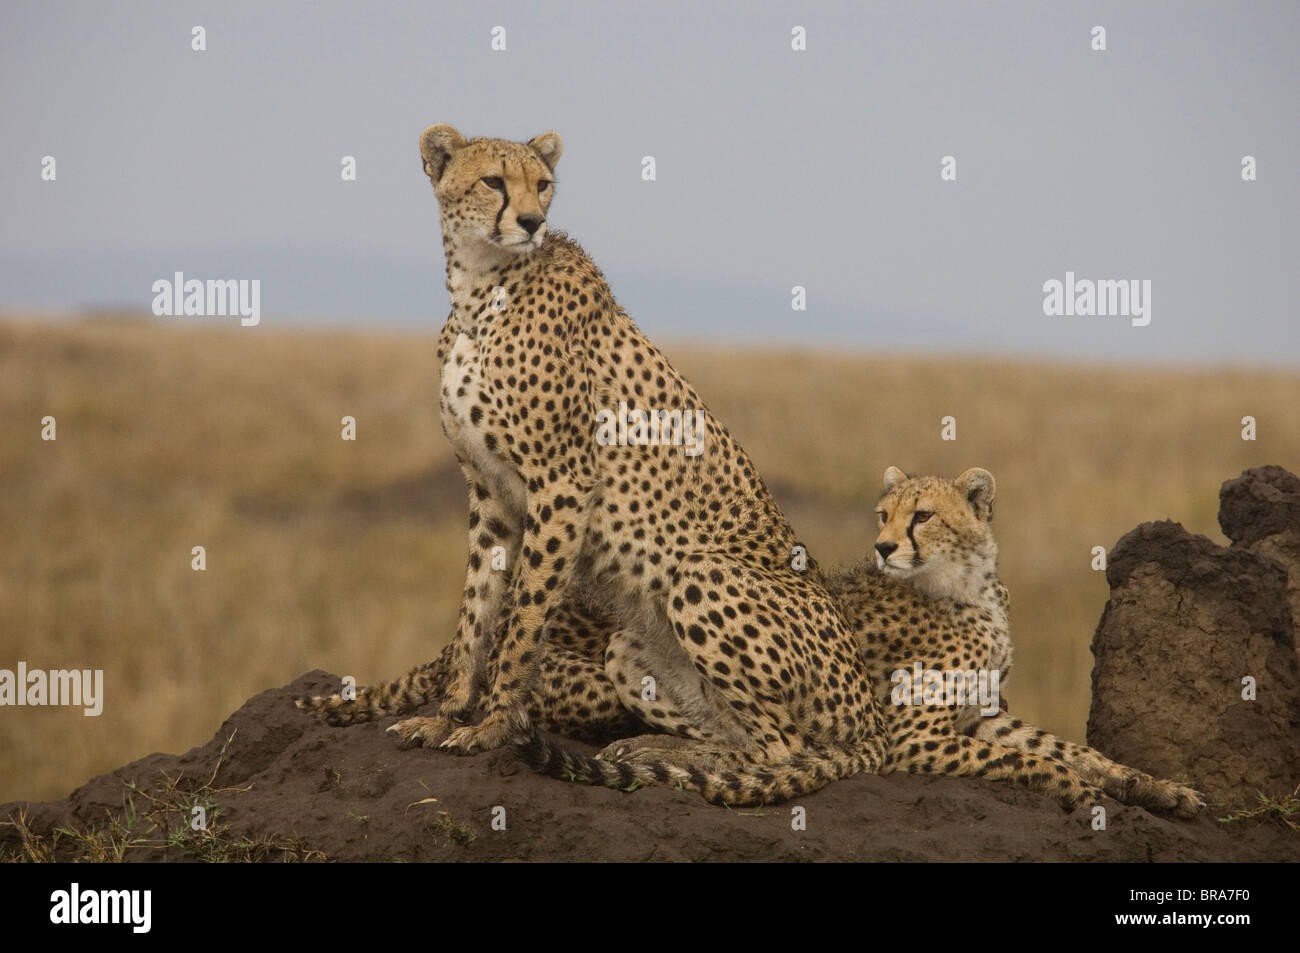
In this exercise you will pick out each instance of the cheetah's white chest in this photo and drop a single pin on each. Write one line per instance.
(471, 420)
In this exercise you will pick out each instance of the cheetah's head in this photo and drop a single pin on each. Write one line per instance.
(935, 533)
(492, 192)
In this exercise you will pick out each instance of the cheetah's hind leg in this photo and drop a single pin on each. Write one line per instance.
(780, 638)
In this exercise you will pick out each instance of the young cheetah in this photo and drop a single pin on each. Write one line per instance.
(676, 539)
(930, 602)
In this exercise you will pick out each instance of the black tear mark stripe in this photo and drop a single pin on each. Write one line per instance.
(505, 194)
(911, 525)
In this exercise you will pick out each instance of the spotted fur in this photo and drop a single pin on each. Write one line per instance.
(930, 595)
(685, 552)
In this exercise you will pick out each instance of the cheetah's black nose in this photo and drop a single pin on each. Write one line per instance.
(530, 223)
(885, 549)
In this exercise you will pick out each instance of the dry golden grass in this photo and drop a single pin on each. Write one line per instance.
(349, 556)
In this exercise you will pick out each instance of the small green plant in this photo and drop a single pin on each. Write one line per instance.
(1284, 811)
(455, 833)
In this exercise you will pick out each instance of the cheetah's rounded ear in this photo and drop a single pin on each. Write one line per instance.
(979, 487)
(549, 146)
(893, 477)
(437, 143)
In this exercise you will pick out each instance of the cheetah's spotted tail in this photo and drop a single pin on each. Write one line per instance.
(751, 787)
(417, 687)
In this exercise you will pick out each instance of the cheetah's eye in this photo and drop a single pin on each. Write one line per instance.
(884, 517)
(494, 182)
(920, 516)
(543, 185)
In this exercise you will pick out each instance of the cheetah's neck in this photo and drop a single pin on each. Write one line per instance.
(475, 270)
(970, 578)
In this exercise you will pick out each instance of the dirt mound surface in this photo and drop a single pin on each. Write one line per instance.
(275, 783)
(1196, 671)
(1262, 502)
(1260, 511)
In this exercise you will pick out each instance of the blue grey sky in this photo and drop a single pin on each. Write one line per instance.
(775, 168)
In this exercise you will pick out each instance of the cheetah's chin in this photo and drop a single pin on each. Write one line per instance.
(521, 246)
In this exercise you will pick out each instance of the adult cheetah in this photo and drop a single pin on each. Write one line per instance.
(671, 533)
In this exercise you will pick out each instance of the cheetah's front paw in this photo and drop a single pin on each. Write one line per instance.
(423, 732)
(497, 730)
(1178, 799)
(1138, 788)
